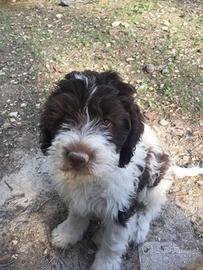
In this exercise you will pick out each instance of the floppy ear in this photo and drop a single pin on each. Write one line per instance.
(126, 92)
(136, 130)
(136, 126)
(57, 108)
(51, 119)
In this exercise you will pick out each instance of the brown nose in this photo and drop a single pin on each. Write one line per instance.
(78, 159)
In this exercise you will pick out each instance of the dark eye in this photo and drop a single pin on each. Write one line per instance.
(107, 123)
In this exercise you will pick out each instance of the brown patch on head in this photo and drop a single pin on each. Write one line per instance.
(82, 150)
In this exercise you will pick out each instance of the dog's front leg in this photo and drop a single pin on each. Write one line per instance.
(113, 245)
(70, 231)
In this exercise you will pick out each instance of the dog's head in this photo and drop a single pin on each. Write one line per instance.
(90, 123)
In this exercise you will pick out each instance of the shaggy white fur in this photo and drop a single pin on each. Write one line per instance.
(105, 193)
(104, 165)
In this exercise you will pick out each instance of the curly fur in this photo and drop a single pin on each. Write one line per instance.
(106, 162)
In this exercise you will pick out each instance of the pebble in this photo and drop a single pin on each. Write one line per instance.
(164, 69)
(67, 2)
(59, 16)
(163, 122)
(166, 23)
(15, 256)
(12, 120)
(129, 59)
(13, 114)
(165, 28)
(23, 105)
(116, 23)
(149, 68)
(190, 192)
(15, 242)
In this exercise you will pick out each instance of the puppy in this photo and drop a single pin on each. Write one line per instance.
(106, 162)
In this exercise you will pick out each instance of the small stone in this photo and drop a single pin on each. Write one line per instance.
(59, 16)
(165, 28)
(37, 105)
(149, 68)
(167, 23)
(130, 59)
(15, 256)
(13, 114)
(163, 122)
(162, 85)
(23, 105)
(163, 69)
(12, 120)
(14, 242)
(116, 23)
(190, 192)
(14, 82)
(67, 2)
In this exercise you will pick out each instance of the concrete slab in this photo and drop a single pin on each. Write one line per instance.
(164, 256)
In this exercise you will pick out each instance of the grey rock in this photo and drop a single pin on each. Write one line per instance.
(163, 122)
(13, 114)
(149, 68)
(69, 2)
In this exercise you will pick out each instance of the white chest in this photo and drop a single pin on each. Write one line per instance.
(102, 197)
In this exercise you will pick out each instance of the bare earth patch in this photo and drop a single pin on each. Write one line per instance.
(155, 45)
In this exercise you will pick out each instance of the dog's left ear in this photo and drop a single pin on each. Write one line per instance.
(136, 121)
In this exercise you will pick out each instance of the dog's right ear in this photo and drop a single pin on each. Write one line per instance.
(58, 107)
(50, 121)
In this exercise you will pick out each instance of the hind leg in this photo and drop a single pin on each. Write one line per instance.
(152, 200)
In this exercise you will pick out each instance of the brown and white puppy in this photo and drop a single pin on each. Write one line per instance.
(106, 162)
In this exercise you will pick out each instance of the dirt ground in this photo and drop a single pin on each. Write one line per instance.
(155, 45)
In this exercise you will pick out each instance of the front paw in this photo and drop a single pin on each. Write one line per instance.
(61, 237)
